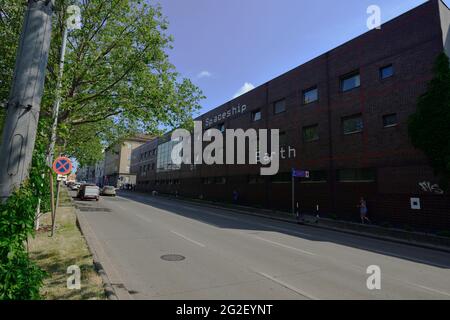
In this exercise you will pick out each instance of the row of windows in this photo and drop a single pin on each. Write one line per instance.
(350, 125)
(144, 169)
(310, 95)
(316, 176)
(147, 154)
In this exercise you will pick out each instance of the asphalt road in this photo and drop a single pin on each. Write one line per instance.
(234, 256)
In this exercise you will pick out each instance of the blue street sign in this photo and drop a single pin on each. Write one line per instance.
(300, 173)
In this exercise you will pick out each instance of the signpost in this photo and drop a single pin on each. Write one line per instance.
(297, 174)
(61, 166)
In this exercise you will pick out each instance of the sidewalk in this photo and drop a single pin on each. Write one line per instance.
(418, 239)
(67, 248)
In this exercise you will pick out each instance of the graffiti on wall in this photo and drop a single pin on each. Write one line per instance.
(427, 186)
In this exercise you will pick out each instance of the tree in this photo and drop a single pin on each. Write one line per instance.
(429, 127)
(117, 72)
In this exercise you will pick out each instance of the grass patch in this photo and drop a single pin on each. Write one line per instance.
(68, 247)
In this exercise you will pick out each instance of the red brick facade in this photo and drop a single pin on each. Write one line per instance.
(410, 43)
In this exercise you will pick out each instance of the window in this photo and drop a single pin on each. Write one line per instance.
(220, 180)
(356, 175)
(311, 133)
(164, 159)
(390, 120)
(386, 72)
(207, 180)
(310, 95)
(282, 178)
(283, 139)
(353, 124)
(350, 82)
(255, 179)
(279, 106)
(221, 127)
(256, 115)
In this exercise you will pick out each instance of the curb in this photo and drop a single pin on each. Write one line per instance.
(352, 232)
(107, 285)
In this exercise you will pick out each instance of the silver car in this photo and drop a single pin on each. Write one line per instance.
(109, 191)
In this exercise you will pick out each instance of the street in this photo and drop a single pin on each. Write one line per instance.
(218, 254)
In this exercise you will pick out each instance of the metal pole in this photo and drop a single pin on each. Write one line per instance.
(56, 207)
(57, 103)
(52, 196)
(19, 133)
(293, 194)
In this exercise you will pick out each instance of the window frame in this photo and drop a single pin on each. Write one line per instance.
(343, 119)
(309, 90)
(309, 127)
(390, 125)
(258, 111)
(385, 67)
(275, 106)
(348, 76)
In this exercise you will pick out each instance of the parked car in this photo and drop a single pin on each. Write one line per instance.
(109, 191)
(75, 186)
(89, 191)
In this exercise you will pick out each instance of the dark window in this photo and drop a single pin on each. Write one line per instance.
(220, 180)
(256, 115)
(386, 72)
(390, 120)
(311, 133)
(283, 139)
(355, 175)
(310, 95)
(350, 82)
(282, 177)
(353, 124)
(279, 106)
(255, 179)
(207, 180)
(153, 166)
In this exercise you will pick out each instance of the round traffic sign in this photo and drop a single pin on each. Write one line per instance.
(62, 165)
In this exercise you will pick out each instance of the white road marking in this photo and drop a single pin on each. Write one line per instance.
(430, 289)
(285, 246)
(288, 286)
(188, 239)
(144, 218)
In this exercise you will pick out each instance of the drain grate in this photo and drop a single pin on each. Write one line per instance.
(173, 257)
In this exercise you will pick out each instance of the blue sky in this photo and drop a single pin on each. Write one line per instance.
(226, 46)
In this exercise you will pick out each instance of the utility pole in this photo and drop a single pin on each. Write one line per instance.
(19, 133)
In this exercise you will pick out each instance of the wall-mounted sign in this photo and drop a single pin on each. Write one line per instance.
(210, 121)
(415, 204)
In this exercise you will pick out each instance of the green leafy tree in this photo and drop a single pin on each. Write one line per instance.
(429, 127)
(118, 81)
(117, 74)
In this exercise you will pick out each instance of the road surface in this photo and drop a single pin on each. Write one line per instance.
(228, 255)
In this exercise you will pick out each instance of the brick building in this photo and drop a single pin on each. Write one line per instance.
(345, 114)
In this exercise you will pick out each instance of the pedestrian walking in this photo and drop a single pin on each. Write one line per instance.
(363, 210)
(235, 196)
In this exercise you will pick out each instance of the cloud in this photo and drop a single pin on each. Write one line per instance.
(204, 74)
(244, 89)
